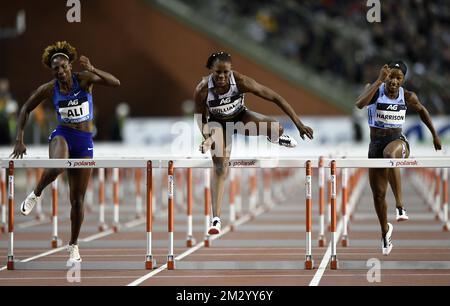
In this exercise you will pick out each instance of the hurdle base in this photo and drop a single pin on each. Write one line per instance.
(232, 227)
(322, 241)
(207, 242)
(345, 242)
(102, 227)
(445, 228)
(437, 217)
(41, 217)
(56, 242)
(150, 262)
(170, 263)
(89, 208)
(2, 229)
(334, 263)
(190, 241)
(10, 263)
(309, 263)
(116, 227)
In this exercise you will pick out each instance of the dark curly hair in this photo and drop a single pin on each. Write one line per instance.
(59, 47)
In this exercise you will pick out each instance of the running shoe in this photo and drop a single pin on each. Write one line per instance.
(401, 214)
(386, 242)
(215, 227)
(27, 205)
(285, 141)
(74, 253)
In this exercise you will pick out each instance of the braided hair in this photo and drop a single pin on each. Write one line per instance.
(218, 57)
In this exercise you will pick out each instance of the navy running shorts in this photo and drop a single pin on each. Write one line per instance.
(79, 142)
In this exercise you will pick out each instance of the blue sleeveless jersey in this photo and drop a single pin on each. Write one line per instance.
(75, 107)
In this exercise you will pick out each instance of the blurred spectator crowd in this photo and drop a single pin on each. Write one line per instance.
(334, 39)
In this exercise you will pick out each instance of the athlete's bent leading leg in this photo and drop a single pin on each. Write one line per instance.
(57, 149)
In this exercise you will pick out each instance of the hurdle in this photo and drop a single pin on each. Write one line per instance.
(3, 200)
(232, 198)
(253, 164)
(102, 226)
(190, 240)
(437, 200)
(56, 242)
(206, 164)
(321, 181)
(207, 196)
(359, 163)
(149, 263)
(138, 192)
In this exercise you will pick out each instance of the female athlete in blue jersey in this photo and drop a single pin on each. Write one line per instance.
(219, 99)
(71, 95)
(386, 101)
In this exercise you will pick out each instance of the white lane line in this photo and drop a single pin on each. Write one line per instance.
(199, 245)
(327, 256)
(97, 236)
(32, 223)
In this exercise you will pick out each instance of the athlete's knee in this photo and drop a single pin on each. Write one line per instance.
(56, 171)
(379, 196)
(221, 168)
(77, 202)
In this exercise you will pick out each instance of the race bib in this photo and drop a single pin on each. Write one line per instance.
(226, 106)
(392, 114)
(76, 110)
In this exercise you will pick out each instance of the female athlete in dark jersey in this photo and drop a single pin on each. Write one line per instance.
(387, 101)
(220, 100)
(71, 95)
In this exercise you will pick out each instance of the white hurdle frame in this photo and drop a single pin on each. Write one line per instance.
(172, 164)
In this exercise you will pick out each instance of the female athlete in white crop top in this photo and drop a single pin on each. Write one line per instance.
(219, 99)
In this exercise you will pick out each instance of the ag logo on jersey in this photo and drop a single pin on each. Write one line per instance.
(392, 107)
(225, 101)
(73, 102)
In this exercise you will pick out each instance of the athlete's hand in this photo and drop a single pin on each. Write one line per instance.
(19, 150)
(86, 64)
(384, 72)
(437, 143)
(206, 145)
(305, 130)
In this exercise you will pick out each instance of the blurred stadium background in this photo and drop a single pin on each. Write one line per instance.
(316, 54)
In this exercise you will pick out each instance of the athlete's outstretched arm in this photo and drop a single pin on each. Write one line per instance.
(200, 95)
(413, 101)
(369, 91)
(97, 76)
(247, 84)
(36, 98)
